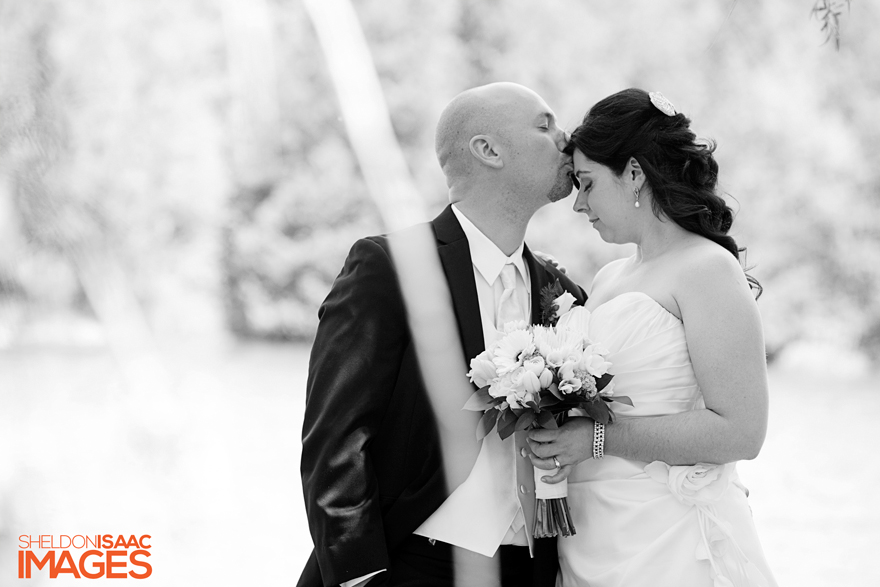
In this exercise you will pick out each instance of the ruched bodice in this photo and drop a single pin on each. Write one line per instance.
(648, 353)
(638, 523)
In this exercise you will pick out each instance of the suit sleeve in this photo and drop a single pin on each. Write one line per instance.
(355, 360)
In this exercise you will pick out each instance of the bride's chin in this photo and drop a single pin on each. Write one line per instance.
(603, 234)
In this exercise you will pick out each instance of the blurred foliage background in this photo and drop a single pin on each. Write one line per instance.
(180, 168)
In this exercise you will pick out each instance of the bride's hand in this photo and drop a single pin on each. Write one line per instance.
(550, 260)
(571, 444)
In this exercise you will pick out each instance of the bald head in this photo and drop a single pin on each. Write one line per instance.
(485, 110)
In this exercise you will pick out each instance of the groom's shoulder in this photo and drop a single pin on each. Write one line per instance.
(379, 250)
(370, 248)
(400, 239)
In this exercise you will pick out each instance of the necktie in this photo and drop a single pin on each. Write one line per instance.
(509, 309)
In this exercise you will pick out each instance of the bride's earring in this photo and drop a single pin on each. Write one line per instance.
(636, 192)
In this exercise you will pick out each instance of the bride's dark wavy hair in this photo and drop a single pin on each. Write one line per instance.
(680, 169)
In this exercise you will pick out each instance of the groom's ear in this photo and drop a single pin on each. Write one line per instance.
(484, 148)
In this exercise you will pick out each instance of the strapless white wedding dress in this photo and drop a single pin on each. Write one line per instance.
(648, 524)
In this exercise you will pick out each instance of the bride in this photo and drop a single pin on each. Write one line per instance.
(655, 496)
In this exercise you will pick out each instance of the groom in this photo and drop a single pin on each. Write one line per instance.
(378, 508)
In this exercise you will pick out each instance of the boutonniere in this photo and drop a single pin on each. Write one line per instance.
(555, 302)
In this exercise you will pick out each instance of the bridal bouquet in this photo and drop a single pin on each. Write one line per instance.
(530, 378)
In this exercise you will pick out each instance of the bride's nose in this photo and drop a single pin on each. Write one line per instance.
(581, 204)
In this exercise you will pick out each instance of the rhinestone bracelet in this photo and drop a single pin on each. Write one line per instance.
(598, 440)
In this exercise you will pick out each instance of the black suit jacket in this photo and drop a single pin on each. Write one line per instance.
(371, 463)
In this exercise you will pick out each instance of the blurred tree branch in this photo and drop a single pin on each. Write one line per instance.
(828, 12)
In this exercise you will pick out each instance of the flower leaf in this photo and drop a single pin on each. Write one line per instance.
(480, 400)
(549, 401)
(603, 381)
(526, 420)
(506, 424)
(624, 399)
(554, 389)
(487, 423)
(546, 420)
(599, 411)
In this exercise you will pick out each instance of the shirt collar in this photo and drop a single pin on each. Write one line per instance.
(485, 255)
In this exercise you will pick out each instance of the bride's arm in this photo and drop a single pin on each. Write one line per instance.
(726, 345)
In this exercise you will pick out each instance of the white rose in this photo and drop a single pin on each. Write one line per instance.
(502, 386)
(516, 377)
(482, 369)
(564, 303)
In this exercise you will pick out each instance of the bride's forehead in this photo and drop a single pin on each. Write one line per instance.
(583, 162)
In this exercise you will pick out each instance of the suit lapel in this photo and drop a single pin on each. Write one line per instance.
(455, 256)
(539, 278)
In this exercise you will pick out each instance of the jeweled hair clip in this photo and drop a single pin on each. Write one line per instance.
(662, 103)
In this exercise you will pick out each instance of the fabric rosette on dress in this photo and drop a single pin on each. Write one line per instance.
(702, 487)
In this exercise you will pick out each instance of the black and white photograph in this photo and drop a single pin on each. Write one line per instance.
(397, 293)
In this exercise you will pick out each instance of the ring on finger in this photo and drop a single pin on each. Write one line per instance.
(557, 463)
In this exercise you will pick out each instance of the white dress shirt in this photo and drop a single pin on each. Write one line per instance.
(484, 512)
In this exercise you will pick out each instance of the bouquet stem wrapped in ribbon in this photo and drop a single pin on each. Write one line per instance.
(552, 514)
(531, 377)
